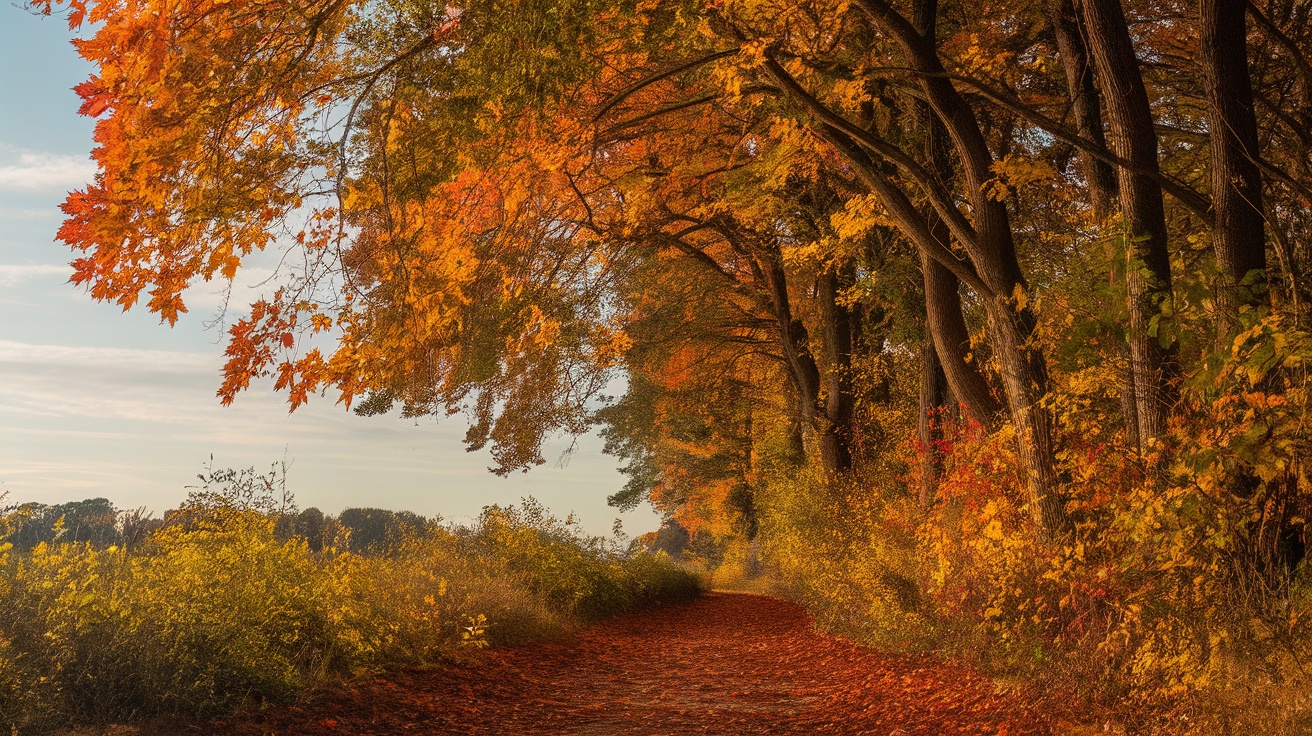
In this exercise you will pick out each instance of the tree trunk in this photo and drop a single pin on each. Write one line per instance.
(1086, 108)
(933, 399)
(1011, 322)
(793, 343)
(947, 328)
(1023, 369)
(840, 328)
(1238, 232)
(1148, 264)
(1276, 545)
(944, 319)
(832, 418)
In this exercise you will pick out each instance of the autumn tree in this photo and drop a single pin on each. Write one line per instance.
(499, 209)
(1048, 258)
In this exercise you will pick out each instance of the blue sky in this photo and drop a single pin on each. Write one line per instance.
(97, 402)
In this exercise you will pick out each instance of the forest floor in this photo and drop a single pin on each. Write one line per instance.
(727, 663)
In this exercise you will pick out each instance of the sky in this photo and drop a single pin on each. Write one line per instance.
(95, 402)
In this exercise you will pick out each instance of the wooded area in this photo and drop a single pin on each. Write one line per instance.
(981, 323)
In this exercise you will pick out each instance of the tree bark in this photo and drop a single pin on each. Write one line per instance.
(841, 332)
(929, 428)
(1148, 264)
(1099, 175)
(1238, 230)
(944, 319)
(793, 341)
(830, 417)
(947, 328)
(1086, 107)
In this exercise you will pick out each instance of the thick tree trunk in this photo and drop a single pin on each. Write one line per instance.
(1276, 545)
(1148, 264)
(1086, 108)
(825, 401)
(841, 327)
(1238, 233)
(943, 311)
(929, 429)
(1023, 368)
(947, 327)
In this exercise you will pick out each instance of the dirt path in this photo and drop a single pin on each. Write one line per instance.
(725, 664)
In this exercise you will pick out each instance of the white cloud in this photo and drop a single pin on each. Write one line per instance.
(13, 274)
(106, 358)
(151, 392)
(25, 170)
(31, 213)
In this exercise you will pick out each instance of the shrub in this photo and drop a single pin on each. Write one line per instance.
(1180, 603)
(221, 608)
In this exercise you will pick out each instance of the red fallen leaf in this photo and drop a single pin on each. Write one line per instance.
(798, 685)
(328, 722)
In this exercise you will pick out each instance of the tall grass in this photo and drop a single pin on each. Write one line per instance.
(218, 609)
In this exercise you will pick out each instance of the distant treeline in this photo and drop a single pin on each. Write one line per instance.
(98, 522)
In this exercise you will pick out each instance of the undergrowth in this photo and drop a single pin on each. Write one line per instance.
(221, 607)
(1179, 604)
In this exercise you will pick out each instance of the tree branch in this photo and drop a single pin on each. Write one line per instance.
(633, 89)
(961, 228)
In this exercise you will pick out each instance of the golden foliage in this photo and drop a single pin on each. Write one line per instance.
(217, 611)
